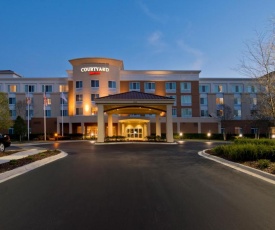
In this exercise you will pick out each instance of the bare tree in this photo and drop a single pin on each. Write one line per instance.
(21, 109)
(258, 62)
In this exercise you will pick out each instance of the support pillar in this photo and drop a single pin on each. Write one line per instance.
(110, 125)
(169, 124)
(100, 124)
(158, 127)
(70, 128)
(199, 127)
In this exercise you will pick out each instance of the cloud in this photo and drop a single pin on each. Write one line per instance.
(197, 54)
(155, 40)
(149, 13)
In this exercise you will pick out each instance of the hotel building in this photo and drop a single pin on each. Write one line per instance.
(100, 98)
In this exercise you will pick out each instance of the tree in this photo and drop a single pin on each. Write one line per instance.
(226, 115)
(21, 108)
(5, 119)
(20, 127)
(258, 62)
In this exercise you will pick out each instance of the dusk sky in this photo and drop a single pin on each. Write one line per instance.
(38, 37)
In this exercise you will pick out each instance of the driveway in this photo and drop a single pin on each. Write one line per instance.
(136, 186)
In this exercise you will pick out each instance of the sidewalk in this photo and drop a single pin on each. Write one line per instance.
(19, 155)
(26, 168)
(242, 168)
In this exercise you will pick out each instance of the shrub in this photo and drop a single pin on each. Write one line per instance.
(263, 163)
(13, 162)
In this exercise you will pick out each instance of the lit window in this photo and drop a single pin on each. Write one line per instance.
(218, 88)
(12, 88)
(220, 113)
(219, 101)
(63, 88)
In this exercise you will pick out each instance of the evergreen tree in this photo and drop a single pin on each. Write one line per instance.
(20, 127)
(5, 119)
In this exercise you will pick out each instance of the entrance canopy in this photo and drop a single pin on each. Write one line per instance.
(134, 102)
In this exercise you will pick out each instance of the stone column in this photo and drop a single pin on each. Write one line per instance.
(169, 124)
(100, 124)
(158, 127)
(110, 125)
(70, 128)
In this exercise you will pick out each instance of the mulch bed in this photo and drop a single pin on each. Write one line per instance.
(252, 164)
(12, 164)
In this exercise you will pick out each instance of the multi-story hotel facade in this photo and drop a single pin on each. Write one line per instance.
(100, 98)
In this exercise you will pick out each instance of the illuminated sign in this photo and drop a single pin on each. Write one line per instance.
(95, 69)
(94, 73)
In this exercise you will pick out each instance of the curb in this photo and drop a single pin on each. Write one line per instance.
(242, 168)
(26, 168)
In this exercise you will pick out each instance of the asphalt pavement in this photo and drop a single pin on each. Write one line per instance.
(136, 186)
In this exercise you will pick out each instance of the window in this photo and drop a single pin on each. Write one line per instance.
(12, 88)
(31, 113)
(237, 101)
(11, 131)
(237, 88)
(48, 113)
(111, 84)
(237, 113)
(49, 101)
(63, 102)
(12, 100)
(134, 133)
(150, 86)
(94, 96)
(29, 88)
(218, 88)
(204, 88)
(94, 83)
(134, 86)
(253, 101)
(170, 86)
(13, 113)
(251, 89)
(63, 88)
(238, 130)
(204, 113)
(79, 111)
(78, 97)
(186, 100)
(78, 84)
(254, 130)
(47, 88)
(174, 112)
(186, 112)
(185, 87)
(220, 113)
(219, 101)
(203, 100)
(65, 112)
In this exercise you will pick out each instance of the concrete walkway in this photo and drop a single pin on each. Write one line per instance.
(26, 168)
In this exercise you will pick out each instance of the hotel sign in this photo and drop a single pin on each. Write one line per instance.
(94, 70)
